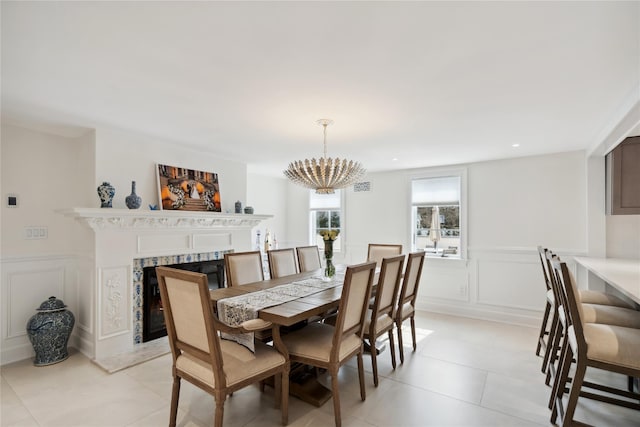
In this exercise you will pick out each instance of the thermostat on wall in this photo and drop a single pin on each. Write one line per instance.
(12, 200)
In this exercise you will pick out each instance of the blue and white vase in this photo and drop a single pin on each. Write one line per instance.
(49, 331)
(106, 192)
(133, 201)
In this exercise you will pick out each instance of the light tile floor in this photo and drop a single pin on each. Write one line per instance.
(465, 373)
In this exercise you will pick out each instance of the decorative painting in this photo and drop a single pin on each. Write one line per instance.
(188, 189)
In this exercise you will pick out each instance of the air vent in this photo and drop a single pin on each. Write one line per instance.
(362, 186)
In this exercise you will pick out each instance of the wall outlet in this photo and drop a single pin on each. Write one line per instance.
(33, 233)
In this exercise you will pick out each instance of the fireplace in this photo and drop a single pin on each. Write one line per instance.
(153, 325)
(109, 321)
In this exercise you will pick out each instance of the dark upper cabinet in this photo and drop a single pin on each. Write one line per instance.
(623, 173)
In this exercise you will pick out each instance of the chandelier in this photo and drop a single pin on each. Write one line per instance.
(326, 174)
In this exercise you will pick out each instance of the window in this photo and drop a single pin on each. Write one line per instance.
(441, 196)
(326, 214)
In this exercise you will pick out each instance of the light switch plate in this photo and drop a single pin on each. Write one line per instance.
(12, 200)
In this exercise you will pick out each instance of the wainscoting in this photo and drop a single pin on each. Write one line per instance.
(499, 284)
(27, 282)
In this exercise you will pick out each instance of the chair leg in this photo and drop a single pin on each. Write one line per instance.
(413, 332)
(277, 388)
(175, 394)
(392, 344)
(363, 393)
(576, 385)
(552, 342)
(219, 414)
(561, 375)
(284, 404)
(400, 345)
(543, 328)
(374, 362)
(336, 393)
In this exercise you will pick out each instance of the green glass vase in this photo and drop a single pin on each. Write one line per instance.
(329, 269)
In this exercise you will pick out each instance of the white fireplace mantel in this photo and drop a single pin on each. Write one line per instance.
(107, 218)
(109, 304)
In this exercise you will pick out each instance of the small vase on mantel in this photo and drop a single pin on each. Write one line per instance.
(133, 201)
(106, 192)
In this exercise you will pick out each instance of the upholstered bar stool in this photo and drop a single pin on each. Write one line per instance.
(605, 347)
(591, 313)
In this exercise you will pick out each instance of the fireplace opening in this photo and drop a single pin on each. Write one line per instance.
(153, 325)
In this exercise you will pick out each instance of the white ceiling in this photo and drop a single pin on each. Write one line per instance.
(428, 83)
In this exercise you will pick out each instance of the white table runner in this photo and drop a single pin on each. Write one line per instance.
(235, 310)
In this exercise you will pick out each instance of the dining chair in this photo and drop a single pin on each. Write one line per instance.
(243, 268)
(380, 318)
(200, 357)
(282, 262)
(377, 251)
(591, 313)
(308, 258)
(406, 308)
(604, 347)
(329, 347)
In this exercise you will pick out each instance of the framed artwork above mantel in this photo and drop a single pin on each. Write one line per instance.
(188, 189)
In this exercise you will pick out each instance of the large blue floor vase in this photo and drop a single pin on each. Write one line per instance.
(49, 331)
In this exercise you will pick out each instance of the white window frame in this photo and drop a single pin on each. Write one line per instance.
(460, 172)
(312, 223)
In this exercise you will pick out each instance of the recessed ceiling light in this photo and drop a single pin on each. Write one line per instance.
(515, 145)
(395, 159)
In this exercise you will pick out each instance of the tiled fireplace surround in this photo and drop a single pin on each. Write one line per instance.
(126, 241)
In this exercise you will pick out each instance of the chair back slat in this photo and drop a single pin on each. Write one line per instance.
(377, 251)
(282, 262)
(542, 253)
(243, 268)
(354, 301)
(308, 258)
(388, 286)
(189, 317)
(571, 305)
(411, 280)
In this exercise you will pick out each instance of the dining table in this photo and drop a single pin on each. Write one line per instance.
(303, 384)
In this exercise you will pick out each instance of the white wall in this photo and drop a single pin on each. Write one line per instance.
(623, 236)
(513, 206)
(51, 172)
(268, 195)
(123, 156)
(47, 172)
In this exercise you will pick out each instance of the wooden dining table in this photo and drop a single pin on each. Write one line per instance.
(302, 385)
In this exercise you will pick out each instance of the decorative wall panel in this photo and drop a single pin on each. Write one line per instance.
(115, 316)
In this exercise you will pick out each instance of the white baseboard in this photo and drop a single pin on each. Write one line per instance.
(483, 313)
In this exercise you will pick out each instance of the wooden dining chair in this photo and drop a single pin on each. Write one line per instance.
(282, 262)
(406, 308)
(604, 347)
(380, 318)
(308, 258)
(377, 251)
(243, 268)
(329, 347)
(200, 357)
